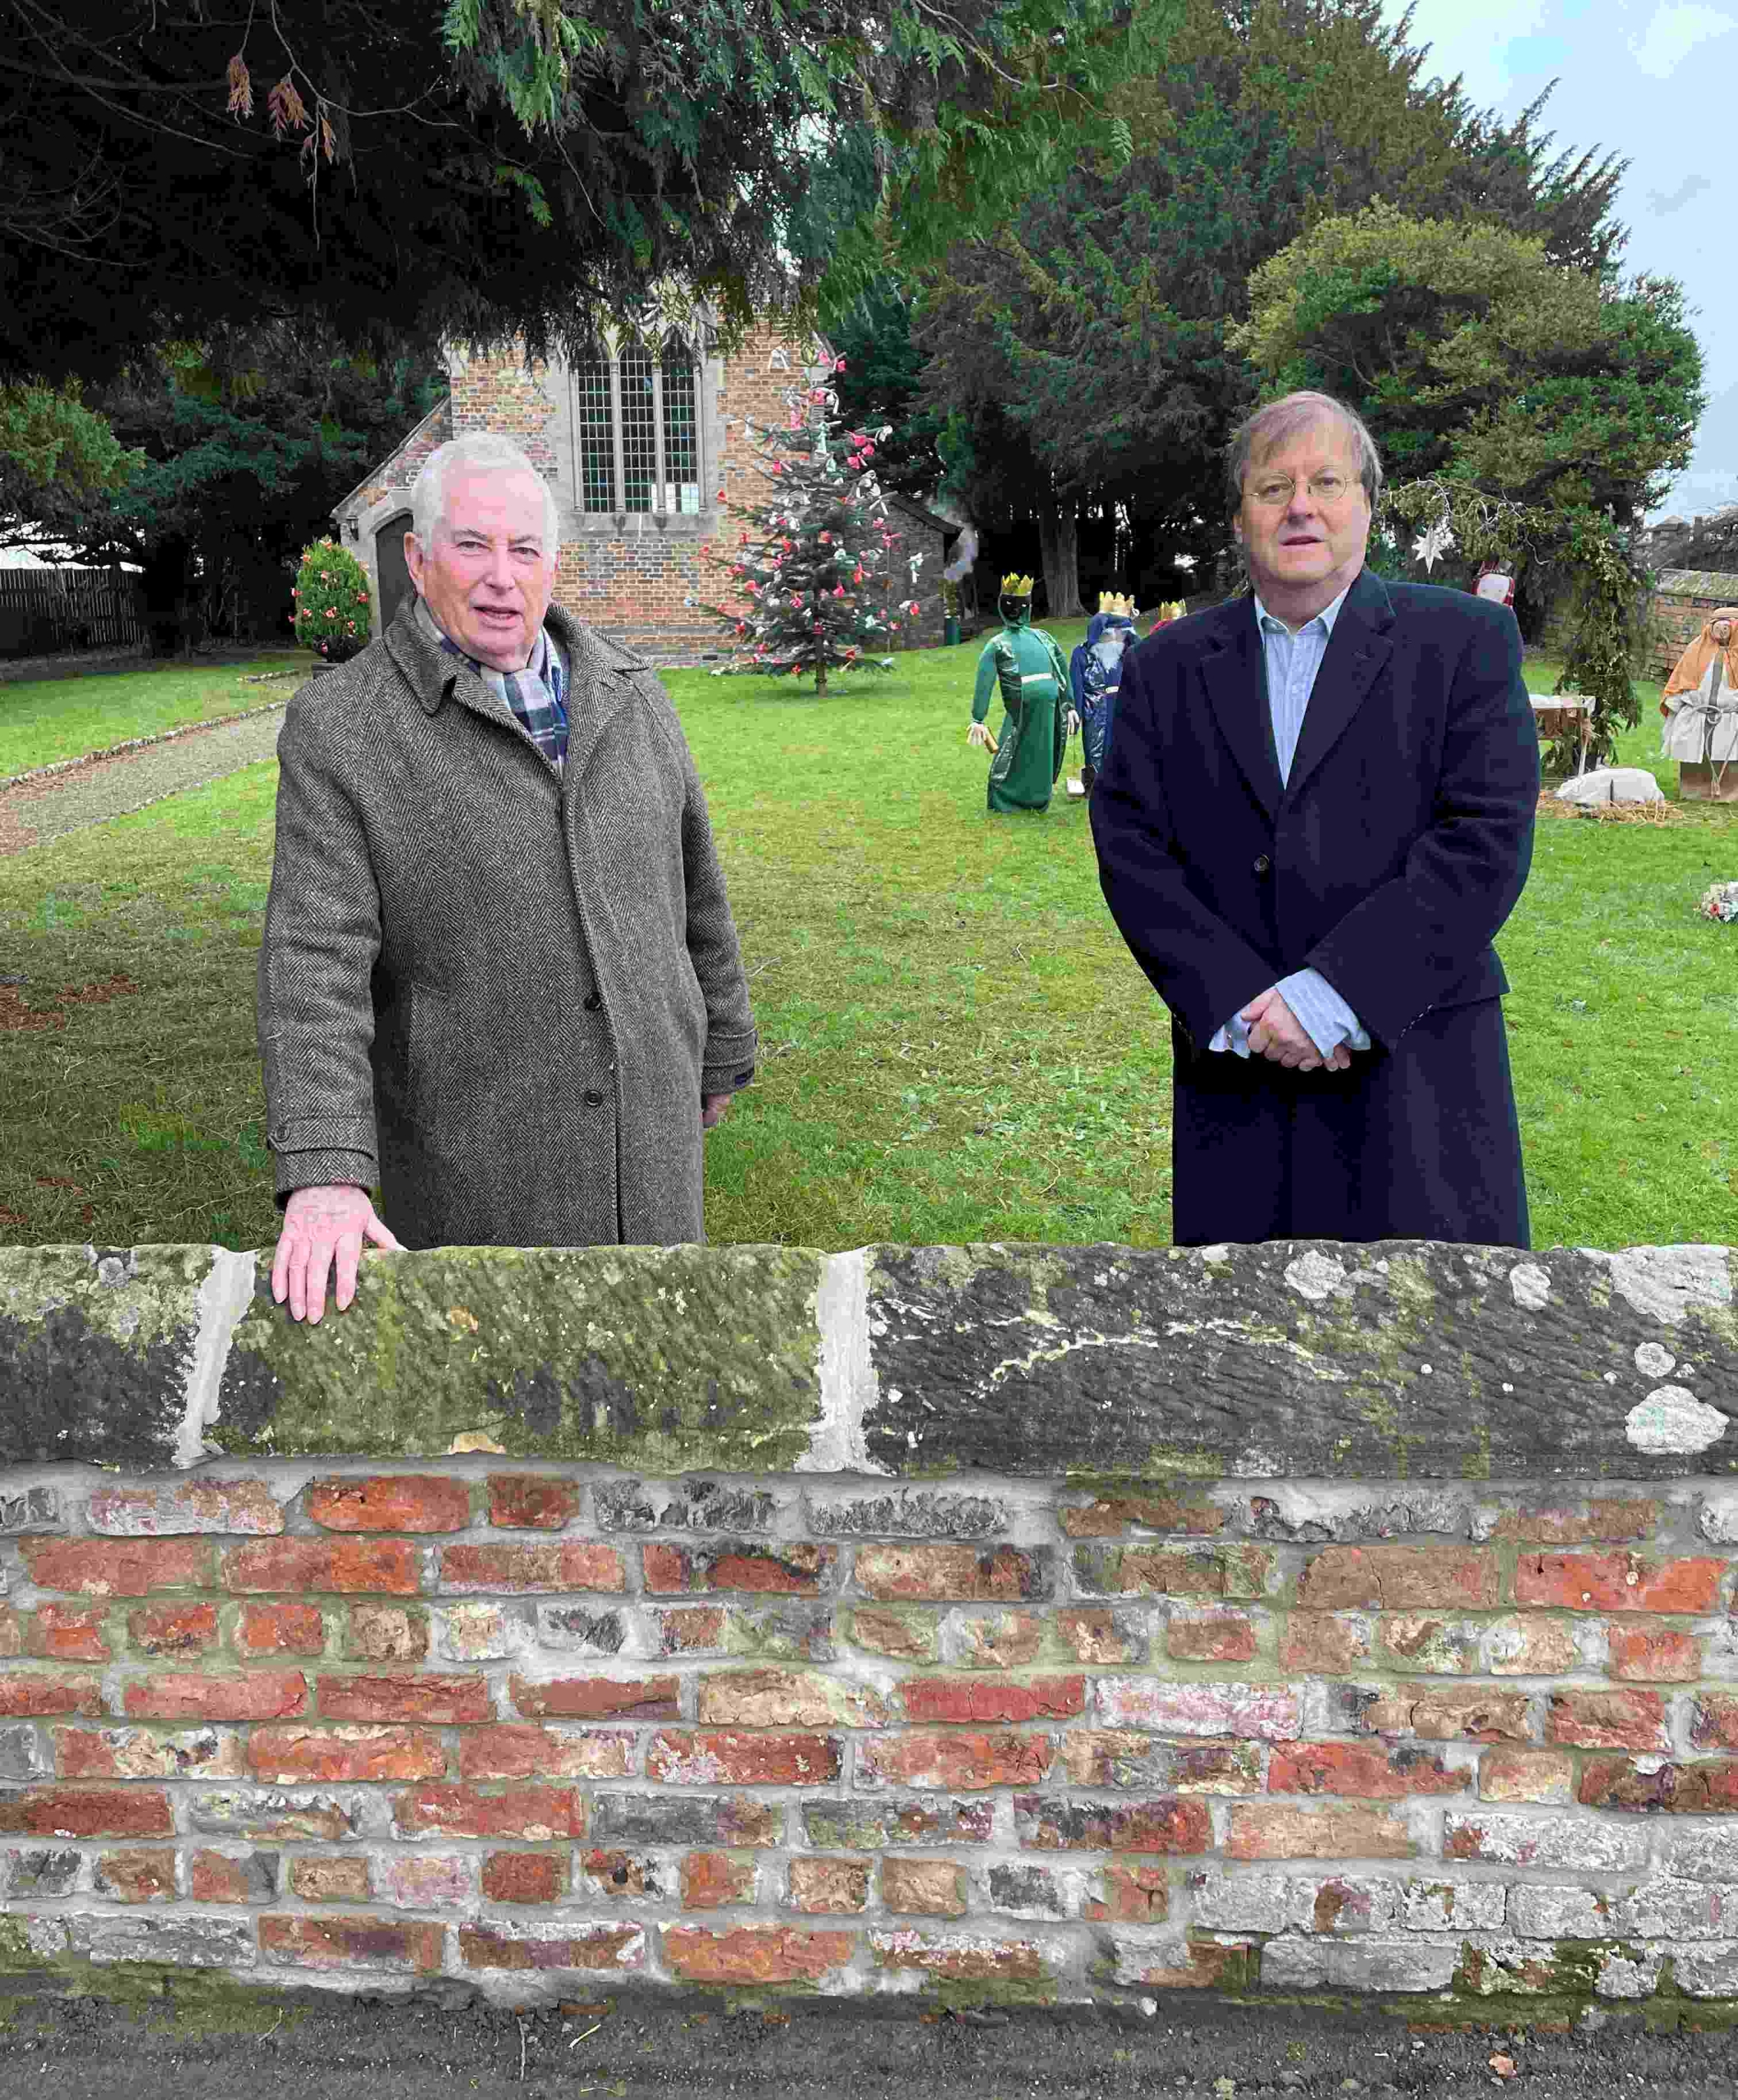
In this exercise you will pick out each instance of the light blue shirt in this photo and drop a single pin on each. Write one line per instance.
(1292, 661)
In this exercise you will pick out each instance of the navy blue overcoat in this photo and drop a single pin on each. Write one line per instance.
(1387, 861)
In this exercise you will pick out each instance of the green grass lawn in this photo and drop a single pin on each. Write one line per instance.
(956, 1044)
(45, 719)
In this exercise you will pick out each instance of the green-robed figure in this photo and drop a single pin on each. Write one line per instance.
(1024, 665)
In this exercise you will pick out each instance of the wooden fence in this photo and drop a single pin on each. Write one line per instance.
(43, 611)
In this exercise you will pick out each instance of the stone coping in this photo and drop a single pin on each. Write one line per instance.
(1402, 1359)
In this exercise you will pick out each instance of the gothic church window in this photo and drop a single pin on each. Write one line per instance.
(637, 427)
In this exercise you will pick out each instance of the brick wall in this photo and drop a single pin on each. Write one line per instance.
(533, 1726)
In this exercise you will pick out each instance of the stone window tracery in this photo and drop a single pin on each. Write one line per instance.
(636, 428)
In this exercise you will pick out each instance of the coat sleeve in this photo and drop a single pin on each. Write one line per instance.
(1398, 950)
(322, 935)
(1201, 967)
(727, 1061)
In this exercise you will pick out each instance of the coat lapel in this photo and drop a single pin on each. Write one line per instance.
(1236, 692)
(1360, 648)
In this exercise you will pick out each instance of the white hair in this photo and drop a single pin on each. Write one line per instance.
(481, 451)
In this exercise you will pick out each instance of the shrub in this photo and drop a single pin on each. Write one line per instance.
(332, 596)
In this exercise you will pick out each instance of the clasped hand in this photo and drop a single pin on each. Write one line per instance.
(1275, 1032)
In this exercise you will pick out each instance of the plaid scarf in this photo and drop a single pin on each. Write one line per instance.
(537, 695)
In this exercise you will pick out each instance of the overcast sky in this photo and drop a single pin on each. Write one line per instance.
(1651, 80)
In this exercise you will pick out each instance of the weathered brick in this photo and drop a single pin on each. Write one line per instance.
(26, 1694)
(597, 1698)
(1607, 1720)
(1644, 1652)
(118, 1567)
(1448, 1713)
(189, 1695)
(390, 1503)
(267, 1816)
(85, 1812)
(789, 1568)
(320, 1879)
(711, 1880)
(1663, 1909)
(915, 1573)
(1344, 1903)
(535, 1814)
(1209, 1636)
(166, 1938)
(726, 1757)
(1118, 1757)
(30, 1510)
(869, 1826)
(928, 1887)
(527, 1749)
(1371, 1963)
(1259, 1832)
(1242, 1902)
(143, 1754)
(311, 1566)
(716, 1505)
(618, 1877)
(214, 1877)
(1173, 1964)
(754, 1954)
(1543, 1910)
(1325, 1643)
(1148, 1571)
(1570, 1523)
(1525, 1645)
(524, 1878)
(1702, 1852)
(1419, 1640)
(532, 1502)
(540, 1565)
(386, 1633)
(172, 1632)
(201, 1504)
(305, 1941)
(781, 1698)
(1713, 1723)
(996, 1641)
(68, 1633)
(1578, 1841)
(1708, 1786)
(1128, 1894)
(42, 1873)
(829, 1885)
(486, 1632)
(1401, 1578)
(428, 1881)
(940, 1758)
(20, 1753)
(993, 1699)
(406, 1697)
(136, 1877)
(1096, 1634)
(1266, 1713)
(520, 1946)
(1453, 1906)
(1544, 1776)
(922, 1512)
(1617, 1581)
(289, 1754)
(722, 1820)
(964, 1958)
(908, 1635)
(1109, 1515)
(279, 1630)
(1362, 1771)
(1054, 1823)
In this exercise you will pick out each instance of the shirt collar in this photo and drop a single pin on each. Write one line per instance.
(1327, 615)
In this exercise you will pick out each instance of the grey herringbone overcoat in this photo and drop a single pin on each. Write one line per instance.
(495, 993)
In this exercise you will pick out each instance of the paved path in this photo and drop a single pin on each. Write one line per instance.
(41, 809)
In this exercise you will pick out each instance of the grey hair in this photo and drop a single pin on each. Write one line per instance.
(1284, 418)
(481, 451)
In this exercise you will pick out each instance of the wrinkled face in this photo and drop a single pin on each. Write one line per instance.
(488, 575)
(1302, 551)
(1721, 631)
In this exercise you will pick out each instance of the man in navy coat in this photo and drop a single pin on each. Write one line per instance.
(1316, 815)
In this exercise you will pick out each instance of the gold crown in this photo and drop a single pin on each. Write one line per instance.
(1121, 607)
(1016, 587)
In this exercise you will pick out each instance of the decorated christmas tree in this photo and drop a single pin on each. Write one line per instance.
(814, 566)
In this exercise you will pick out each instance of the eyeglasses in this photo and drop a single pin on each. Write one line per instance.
(1271, 491)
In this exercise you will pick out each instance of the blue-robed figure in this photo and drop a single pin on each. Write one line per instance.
(1095, 674)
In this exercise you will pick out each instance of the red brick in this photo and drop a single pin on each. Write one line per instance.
(345, 1943)
(1569, 1524)
(1132, 1895)
(12, 1633)
(1545, 1776)
(406, 1697)
(292, 1755)
(524, 1878)
(1401, 1578)
(328, 1880)
(1259, 1832)
(532, 1502)
(934, 1888)
(280, 1630)
(1093, 1635)
(993, 1699)
(597, 1698)
(797, 1567)
(829, 1885)
(87, 1812)
(990, 1641)
(525, 1751)
(1316, 1643)
(1206, 1966)
(727, 1757)
(69, 1633)
(308, 1567)
(1003, 1574)
(701, 1630)
(187, 1696)
(1649, 1653)
(776, 1698)
(1219, 1637)
(1617, 1581)
(547, 1564)
(927, 1757)
(1444, 1713)
(1607, 1720)
(216, 1878)
(118, 1568)
(1111, 1514)
(390, 1503)
(203, 1753)
(1149, 1571)
(754, 1954)
(617, 1877)
(1055, 1823)
(710, 1880)
(1713, 1723)
(1708, 1786)
(1361, 1771)
(24, 1694)
(141, 1877)
(614, 1947)
(386, 1633)
(535, 1814)
(173, 1631)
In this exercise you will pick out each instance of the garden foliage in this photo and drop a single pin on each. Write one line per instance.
(331, 602)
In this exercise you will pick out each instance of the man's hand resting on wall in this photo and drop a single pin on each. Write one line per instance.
(320, 1225)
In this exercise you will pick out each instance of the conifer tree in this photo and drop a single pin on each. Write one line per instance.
(814, 563)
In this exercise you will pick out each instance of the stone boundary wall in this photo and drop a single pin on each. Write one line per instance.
(1014, 1624)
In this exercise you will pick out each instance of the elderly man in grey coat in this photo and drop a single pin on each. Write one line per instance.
(500, 982)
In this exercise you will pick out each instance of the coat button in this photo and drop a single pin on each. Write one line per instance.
(594, 1099)
(1262, 864)
(594, 1002)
